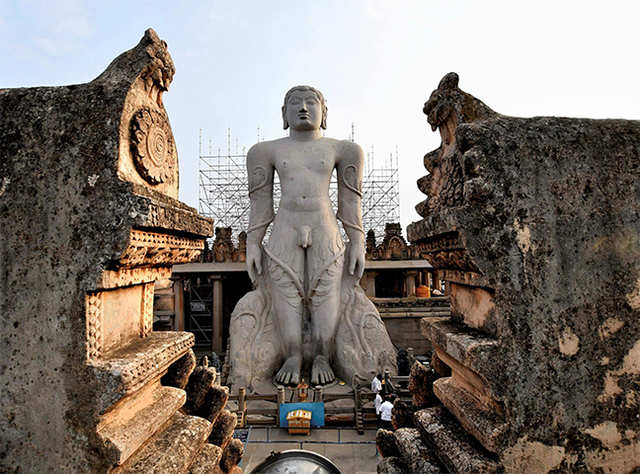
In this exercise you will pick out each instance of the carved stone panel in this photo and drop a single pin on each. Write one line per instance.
(147, 309)
(152, 145)
(151, 248)
(93, 316)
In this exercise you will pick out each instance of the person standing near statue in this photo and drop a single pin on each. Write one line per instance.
(305, 254)
(386, 412)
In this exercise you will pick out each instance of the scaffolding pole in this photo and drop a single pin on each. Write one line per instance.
(224, 190)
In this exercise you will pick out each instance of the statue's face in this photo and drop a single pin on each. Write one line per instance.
(304, 111)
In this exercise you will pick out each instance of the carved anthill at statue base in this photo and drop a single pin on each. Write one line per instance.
(307, 309)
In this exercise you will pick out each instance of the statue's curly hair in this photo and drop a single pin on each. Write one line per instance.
(285, 123)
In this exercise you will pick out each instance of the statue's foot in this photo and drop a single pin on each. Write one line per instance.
(321, 372)
(289, 373)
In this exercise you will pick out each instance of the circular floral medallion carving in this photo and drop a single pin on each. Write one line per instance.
(152, 145)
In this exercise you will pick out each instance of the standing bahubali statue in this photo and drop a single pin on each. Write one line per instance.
(307, 308)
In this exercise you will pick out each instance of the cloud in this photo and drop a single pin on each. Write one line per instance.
(62, 25)
(49, 45)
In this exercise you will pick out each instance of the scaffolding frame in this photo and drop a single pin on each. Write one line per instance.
(224, 190)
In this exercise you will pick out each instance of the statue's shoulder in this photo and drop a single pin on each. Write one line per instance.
(349, 150)
(263, 151)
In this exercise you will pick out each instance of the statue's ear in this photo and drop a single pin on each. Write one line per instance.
(285, 124)
(323, 124)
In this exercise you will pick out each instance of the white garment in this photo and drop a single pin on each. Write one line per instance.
(377, 402)
(376, 385)
(385, 411)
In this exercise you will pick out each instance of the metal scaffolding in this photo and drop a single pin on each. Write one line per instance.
(224, 193)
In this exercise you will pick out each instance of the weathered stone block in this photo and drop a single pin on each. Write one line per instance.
(223, 428)
(535, 223)
(417, 457)
(454, 448)
(88, 222)
(487, 425)
(421, 380)
(386, 443)
(214, 402)
(179, 372)
(207, 461)
(391, 465)
(232, 455)
(170, 450)
(200, 382)
(129, 425)
(402, 415)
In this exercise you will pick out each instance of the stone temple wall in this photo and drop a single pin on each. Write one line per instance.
(88, 222)
(535, 223)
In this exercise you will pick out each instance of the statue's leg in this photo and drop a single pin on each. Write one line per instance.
(286, 284)
(325, 306)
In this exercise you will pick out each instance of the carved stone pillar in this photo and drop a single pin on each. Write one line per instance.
(410, 282)
(178, 303)
(216, 314)
(368, 283)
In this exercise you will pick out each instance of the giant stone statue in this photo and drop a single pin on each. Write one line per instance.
(307, 308)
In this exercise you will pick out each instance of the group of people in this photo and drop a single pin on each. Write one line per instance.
(383, 402)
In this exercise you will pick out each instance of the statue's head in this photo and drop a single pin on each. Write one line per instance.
(304, 109)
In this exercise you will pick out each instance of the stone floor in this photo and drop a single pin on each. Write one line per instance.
(351, 452)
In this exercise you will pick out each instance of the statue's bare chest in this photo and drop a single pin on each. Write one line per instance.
(305, 161)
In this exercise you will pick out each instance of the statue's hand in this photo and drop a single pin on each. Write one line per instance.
(254, 261)
(356, 259)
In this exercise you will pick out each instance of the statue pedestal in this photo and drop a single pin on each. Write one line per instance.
(362, 346)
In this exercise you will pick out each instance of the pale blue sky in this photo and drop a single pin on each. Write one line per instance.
(375, 61)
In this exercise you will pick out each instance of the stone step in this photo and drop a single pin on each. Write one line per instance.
(391, 465)
(207, 460)
(172, 449)
(484, 424)
(414, 309)
(469, 347)
(457, 451)
(415, 314)
(127, 427)
(411, 301)
(414, 454)
(130, 367)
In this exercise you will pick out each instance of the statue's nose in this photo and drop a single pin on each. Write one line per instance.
(303, 107)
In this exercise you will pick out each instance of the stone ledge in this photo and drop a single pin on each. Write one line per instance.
(468, 347)
(146, 248)
(132, 276)
(413, 314)
(207, 460)
(455, 449)
(172, 449)
(126, 369)
(121, 437)
(164, 212)
(418, 458)
(411, 301)
(485, 425)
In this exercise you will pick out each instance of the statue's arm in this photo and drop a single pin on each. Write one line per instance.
(260, 173)
(350, 165)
